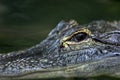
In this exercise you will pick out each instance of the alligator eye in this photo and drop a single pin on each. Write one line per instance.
(79, 37)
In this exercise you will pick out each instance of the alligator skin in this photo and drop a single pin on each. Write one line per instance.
(70, 50)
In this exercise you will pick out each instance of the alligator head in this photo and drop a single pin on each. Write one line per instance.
(69, 50)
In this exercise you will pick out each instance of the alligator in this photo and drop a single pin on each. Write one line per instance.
(69, 50)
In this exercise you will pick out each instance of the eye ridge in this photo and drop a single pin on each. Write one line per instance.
(79, 37)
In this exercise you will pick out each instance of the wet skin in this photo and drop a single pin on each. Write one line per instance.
(70, 50)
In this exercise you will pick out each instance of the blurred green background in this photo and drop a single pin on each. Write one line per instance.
(24, 23)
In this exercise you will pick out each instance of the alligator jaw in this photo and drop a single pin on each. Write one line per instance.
(108, 66)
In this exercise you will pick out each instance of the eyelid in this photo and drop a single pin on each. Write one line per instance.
(83, 30)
